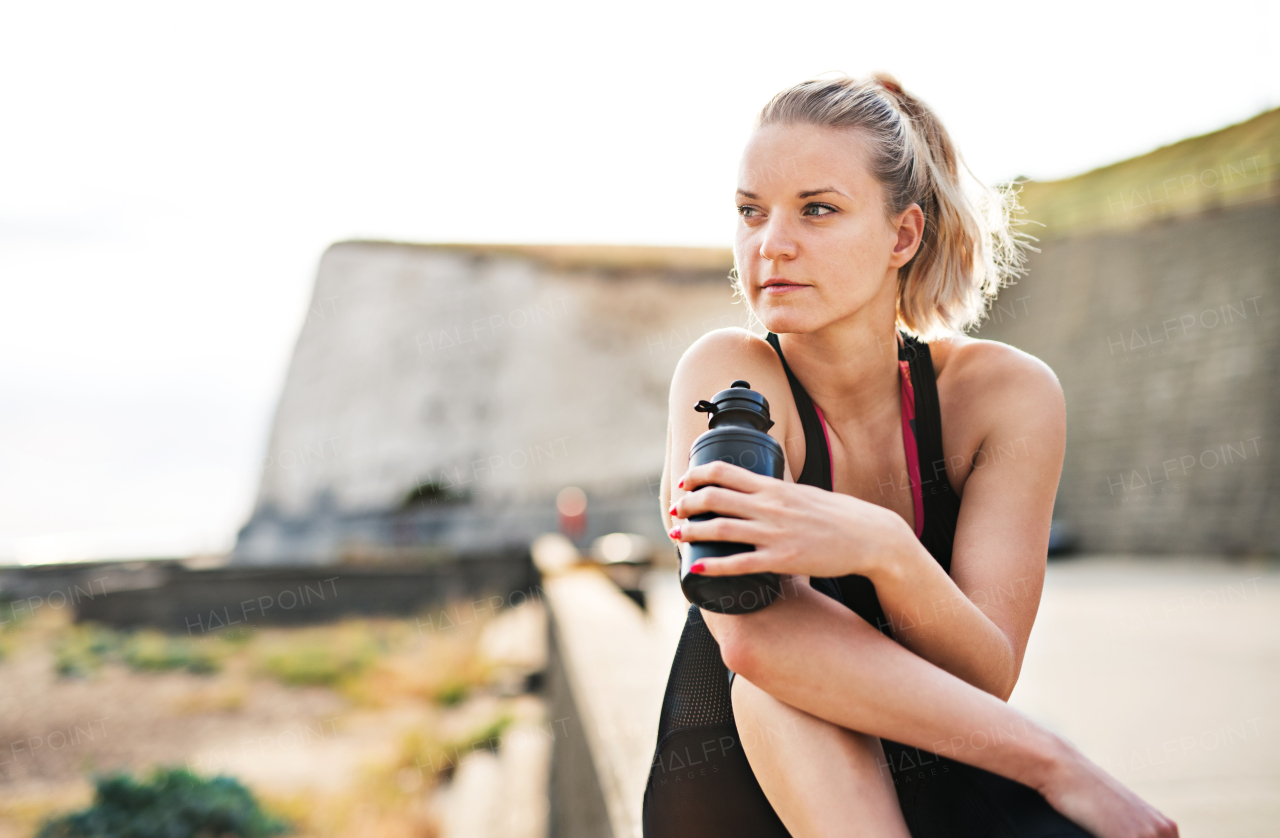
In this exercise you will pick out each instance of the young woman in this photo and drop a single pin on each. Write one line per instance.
(870, 699)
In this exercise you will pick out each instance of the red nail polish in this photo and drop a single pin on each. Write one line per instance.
(675, 533)
(697, 567)
(672, 510)
(680, 485)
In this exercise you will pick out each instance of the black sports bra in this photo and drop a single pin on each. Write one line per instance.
(939, 505)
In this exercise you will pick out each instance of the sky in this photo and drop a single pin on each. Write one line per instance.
(171, 173)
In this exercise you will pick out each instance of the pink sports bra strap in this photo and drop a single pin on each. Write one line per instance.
(908, 443)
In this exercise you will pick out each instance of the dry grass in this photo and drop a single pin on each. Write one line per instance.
(355, 815)
(397, 707)
(222, 697)
(22, 814)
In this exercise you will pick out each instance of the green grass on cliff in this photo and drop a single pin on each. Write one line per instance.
(1239, 164)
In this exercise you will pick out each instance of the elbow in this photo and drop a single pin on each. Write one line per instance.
(1003, 688)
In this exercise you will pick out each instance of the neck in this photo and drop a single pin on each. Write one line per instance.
(850, 367)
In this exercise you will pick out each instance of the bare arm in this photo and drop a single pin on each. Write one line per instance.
(975, 623)
(853, 676)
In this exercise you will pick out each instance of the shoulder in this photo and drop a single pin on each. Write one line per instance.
(712, 364)
(994, 397)
(988, 369)
(732, 352)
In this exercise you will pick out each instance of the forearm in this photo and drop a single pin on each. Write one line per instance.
(932, 617)
(814, 654)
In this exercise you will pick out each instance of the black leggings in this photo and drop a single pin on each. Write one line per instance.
(701, 785)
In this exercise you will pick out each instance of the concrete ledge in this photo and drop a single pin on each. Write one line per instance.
(608, 669)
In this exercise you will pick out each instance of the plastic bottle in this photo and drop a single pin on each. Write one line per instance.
(738, 421)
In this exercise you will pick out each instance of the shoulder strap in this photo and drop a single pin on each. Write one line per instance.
(928, 417)
(941, 504)
(817, 461)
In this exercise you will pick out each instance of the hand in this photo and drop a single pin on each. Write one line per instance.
(796, 529)
(1097, 801)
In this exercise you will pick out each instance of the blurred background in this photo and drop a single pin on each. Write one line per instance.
(334, 368)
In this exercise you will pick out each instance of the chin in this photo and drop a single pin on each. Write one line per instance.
(788, 319)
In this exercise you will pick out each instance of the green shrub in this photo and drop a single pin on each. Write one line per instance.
(83, 649)
(174, 803)
(488, 735)
(149, 651)
(452, 692)
(436, 759)
(311, 661)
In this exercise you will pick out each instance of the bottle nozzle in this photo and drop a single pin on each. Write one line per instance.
(738, 405)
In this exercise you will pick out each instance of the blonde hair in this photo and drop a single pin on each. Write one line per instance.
(969, 249)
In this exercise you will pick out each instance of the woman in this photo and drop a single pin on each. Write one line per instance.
(870, 698)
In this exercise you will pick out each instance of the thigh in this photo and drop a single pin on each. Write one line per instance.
(700, 783)
(822, 779)
(701, 786)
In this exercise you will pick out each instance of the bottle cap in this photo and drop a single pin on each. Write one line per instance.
(739, 405)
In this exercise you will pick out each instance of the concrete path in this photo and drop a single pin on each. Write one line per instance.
(1167, 673)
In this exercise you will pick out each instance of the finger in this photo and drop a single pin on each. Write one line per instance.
(717, 499)
(723, 474)
(738, 530)
(754, 561)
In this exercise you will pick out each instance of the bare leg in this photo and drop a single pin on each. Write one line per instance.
(822, 780)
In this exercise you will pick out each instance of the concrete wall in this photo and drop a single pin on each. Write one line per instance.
(496, 375)
(1166, 339)
(168, 596)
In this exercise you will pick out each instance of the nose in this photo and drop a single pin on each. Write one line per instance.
(777, 242)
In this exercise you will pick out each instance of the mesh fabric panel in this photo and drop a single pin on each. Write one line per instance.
(698, 689)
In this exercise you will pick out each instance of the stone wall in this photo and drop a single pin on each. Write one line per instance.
(1166, 339)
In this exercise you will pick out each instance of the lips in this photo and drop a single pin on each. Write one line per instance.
(778, 285)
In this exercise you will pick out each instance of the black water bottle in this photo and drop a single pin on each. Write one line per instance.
(739, 418)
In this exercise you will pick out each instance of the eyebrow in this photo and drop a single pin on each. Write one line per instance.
(824, 190)
(809, 193)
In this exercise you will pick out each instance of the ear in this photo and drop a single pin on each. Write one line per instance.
(909, 229)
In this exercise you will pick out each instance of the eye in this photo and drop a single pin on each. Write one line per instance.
(818, 210)
(746, 211)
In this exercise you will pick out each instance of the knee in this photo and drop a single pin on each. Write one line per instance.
(737, 655)
(726, 629)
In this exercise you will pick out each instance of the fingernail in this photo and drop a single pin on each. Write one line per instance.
(672, 510)
(674, 533)
(680, 485)
(697, 567)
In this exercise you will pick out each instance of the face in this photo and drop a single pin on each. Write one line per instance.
(814, 246)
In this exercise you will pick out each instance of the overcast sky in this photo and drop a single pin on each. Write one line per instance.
(170, 174)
